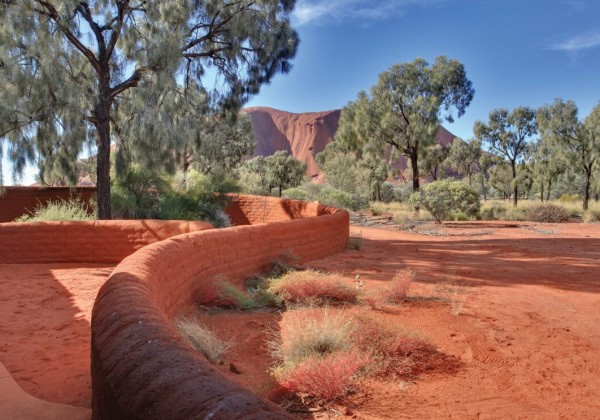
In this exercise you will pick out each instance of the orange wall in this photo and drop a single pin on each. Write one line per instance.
(101, 241)
(17, 201)
(140, 365)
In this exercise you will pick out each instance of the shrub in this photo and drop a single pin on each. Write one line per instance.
(403, 192)
(591, 216)
(355, 241)
(496, 211)
(283, 264)
(72, 210)
(338, 198)
(397, 290)
(546, 212)
(310, 332)
(325, 378)
(387, 192)
(201, 338)
(569, 198)
(313, 287)
(441, 198)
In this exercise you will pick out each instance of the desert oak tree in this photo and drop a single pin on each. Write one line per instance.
(405, 108)
(66, 67)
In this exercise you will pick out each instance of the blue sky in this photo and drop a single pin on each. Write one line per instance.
(516, 53)
(525, 52)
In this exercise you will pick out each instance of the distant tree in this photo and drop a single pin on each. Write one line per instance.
(578, 142)
(464, 157)
(506, 133)
(547, 165)
(339, 167)
(69, 70)
(284, 170)
(432, 161)
(405, 108)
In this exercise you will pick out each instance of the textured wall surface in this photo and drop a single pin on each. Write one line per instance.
(101, 241)
(17, 201)
(141, 368)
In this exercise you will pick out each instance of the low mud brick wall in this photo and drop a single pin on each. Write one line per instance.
(101, 241)
(17, 201)
(141, 367)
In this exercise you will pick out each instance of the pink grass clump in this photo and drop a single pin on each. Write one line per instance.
(325, 378)
(397, 289)
(312, 286)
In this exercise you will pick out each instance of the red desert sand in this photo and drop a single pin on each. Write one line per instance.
(527, 337)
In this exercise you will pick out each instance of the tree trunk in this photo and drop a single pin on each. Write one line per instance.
(542, 191)
(280, 189)
(515, 186)
(414, 161)
(469, 179)
(549, 188)
(586, 188)
(103, 169)
(483, 186)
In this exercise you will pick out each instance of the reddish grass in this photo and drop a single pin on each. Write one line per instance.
(325, 378)
(313, 287)
(395, 292)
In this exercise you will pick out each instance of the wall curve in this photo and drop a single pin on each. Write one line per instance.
(141, 368)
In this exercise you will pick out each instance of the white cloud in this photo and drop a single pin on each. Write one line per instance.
(579, 42)
(320, 11)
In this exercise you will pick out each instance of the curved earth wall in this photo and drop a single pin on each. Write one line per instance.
(141, 368)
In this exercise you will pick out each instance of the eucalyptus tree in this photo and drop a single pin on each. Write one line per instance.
(578, 142)
(67, 67)
(433, 159)
(547, 165)
(405, 108)
(507, 134)
(284, 171)
(464, 157)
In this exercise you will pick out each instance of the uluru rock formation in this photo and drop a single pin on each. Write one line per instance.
(304, 134)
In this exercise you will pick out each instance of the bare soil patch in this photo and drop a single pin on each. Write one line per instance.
(527, 336)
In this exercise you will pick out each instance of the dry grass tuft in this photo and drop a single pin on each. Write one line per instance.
(201, 338)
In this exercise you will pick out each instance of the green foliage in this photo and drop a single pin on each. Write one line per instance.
(77, 74)
(578, 143)
(414, 95)
(72, 210)
(569, 198)
(506, 133)
(494, 211)
(280, 170)
(387, 192)
(464, 157)
(546, 212)
(441, 198)
(327, 195)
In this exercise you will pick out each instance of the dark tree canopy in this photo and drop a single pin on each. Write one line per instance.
(68, 70)
(405, 108)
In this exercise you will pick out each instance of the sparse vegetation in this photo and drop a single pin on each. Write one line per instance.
(441, 198)
(201, 338)
(72, 210)
(313, 287)
(546, 212)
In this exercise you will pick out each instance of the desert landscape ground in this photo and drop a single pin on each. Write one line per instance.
(524, 343)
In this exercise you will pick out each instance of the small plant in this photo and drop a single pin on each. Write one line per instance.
(201, 338)
(310, 332)
(546, 212)
(313, 287)
(452, 293)
(397, 290)
(355, 241)
(325, 378)
(72, 210)
(591, 216)
(284, 263)
(495, 211)
(224, 294)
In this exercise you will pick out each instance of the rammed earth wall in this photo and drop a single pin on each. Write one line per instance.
(141, 368)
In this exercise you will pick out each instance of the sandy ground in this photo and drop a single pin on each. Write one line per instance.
(527, 338)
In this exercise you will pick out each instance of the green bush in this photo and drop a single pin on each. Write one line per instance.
(60, 211)
(403, 192)
(569, 198)
(387, 192)
(496, 211)
(441, 198)
(546, 212)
